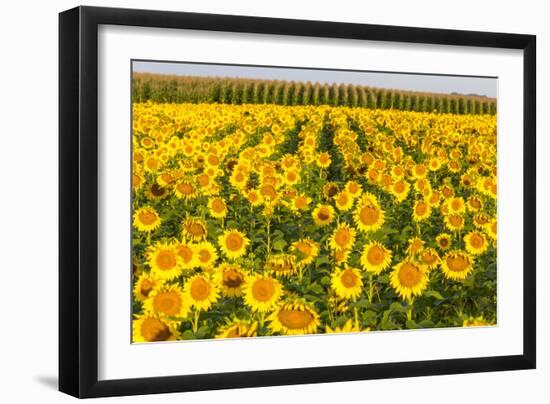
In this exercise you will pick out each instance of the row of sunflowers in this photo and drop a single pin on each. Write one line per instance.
(257, 220)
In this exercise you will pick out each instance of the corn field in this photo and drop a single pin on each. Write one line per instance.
(181, 89)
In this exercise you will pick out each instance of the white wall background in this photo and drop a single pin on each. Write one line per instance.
(28, 199)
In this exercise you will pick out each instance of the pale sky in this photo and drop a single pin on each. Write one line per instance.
(399, 81)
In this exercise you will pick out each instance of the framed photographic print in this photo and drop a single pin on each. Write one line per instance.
(250, 201)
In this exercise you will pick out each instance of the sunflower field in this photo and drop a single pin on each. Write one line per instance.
(261, 219)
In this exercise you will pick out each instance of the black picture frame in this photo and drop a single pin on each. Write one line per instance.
(78, 201)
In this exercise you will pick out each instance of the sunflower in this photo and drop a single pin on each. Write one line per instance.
(457, 265)
(368, 215)
(375, 257)
(323, 215)
(164, 262)
(373, 175)
(299, 203)
(137, 181)
(397, 172)
(386, 181)
(184, 189)
(343, 201)
(455, 154)
(419, 171)
(454, 222)
(175, 144)
(476, 242)
(268, 209)
(347, 283)
(231, 278)
(306, 251)
(291, 177)
(144, 285)
(201, 292)
(289, 161)
(415, 246)
(354, 188)
(409, 279)
(481, 220)
(217, 208)
(475, 322)
(434, 164)
(443, 241)
(294, 318)
(434, 199)
(206, 254)
(137, 267)
(491, 229)
(254, 197)
(349, 326)
(447, 191)
(324, 160)
(188, 147)
(152, 328)
(187, 254)
(146, 219)
(454, 166)
(467, 180)
(238, 329)
(214, 188)
(239, 178)
(213, 160)
(147, 143)
(487, 186)
(430, 258)
(474, 204)
(366, 158)
(400, 189)
(269, 193)
(337, 305)
(152, 165)
(456, 205)
(343, 237)
(156, 192)
(422, 186)
(421, 211)
(340, 256)
(281, 264)
(233, 243)
(194, 229)
(261, 293)
(167, 300)
(330, 189)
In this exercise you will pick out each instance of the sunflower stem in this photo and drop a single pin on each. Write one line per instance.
(410, 301)
(356, 315)
(251, 218)
(268, 236)
(371, 289)
(261, 319)
(195, 322)
(378, 295)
